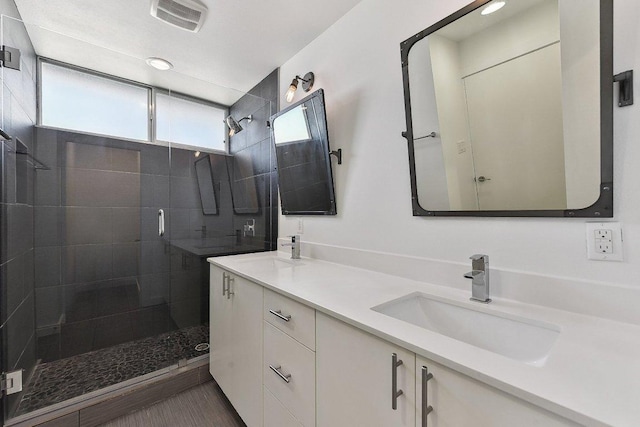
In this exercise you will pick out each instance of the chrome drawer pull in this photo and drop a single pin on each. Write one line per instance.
(426, 408)
(278, 314)
(395, 393)
(276, 369)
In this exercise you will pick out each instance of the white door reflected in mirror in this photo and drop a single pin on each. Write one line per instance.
(514, 99)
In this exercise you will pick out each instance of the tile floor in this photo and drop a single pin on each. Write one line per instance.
(201, 406)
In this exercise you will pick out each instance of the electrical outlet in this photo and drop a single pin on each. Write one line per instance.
(604, 241)
(300, 229)
(603, 234)
(604, 247)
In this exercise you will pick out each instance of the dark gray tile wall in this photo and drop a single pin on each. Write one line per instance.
(17, 306)
(96, 220)
(101, 264)
(252, 168)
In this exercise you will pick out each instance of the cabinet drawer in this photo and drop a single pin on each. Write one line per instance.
(301, 323)
(296, 364)
(276, 415)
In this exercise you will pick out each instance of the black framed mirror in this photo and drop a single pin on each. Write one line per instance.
(510, 112)
(301, 140)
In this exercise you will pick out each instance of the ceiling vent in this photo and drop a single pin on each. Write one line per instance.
(186, 14)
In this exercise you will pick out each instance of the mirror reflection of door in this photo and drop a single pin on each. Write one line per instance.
(516, 132)
(514, 100)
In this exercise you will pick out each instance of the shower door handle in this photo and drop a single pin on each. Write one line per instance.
(160, 222)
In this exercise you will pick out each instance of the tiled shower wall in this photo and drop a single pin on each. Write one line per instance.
(16, 214)
(103, 275)
(254, 158)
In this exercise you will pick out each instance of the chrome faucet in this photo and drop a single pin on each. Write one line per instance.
(295, 246)
(479, 275)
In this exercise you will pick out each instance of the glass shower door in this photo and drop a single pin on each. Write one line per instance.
(92, 293)
(18, 172)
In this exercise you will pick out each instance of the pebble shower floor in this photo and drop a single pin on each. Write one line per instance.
(63, 379)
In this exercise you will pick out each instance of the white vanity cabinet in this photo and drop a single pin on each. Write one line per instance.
(458, 400)
(355, 377)
(236, 342)
(355, 383)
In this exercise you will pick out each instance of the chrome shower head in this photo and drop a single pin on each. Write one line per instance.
(234, 126)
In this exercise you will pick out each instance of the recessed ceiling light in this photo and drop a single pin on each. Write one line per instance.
(159, 63)
(494, 6)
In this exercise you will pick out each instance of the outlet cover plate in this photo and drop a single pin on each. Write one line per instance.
(604, 241)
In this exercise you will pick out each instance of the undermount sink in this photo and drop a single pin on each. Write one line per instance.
(271, 262)
(518, 338)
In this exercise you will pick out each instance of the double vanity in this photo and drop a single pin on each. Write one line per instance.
(308, 342)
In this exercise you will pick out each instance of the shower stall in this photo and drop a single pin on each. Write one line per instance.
(107, 221)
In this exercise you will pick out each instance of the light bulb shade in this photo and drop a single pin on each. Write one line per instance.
(493, 6)
(292, 90)
(307, 84)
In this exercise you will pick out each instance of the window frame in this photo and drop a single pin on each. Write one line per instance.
(152, 91)
(184, 97)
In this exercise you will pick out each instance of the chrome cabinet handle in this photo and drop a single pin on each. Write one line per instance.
(224, 282)
(160, 222)
(278, 314)
(286, 378)
(395, 393)
(483, 179)
(230, 280)
(426, 408)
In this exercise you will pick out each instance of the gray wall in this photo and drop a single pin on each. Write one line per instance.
(102, 268)
(254, 160)
(104, 276)
(100, 260)
(16, 204)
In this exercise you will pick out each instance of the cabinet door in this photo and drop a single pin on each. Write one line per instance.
(246, 394)
(354, 378)
(458, 400)
(220, 333)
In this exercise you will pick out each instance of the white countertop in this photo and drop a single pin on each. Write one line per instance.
(591, 376)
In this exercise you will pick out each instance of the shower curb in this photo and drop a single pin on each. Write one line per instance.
(104, 405)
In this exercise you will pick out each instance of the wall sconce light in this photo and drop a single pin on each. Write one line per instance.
(307, 84)
(234, 126)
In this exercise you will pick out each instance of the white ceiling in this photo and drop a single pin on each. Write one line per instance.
(474, 22)
(241, 41)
